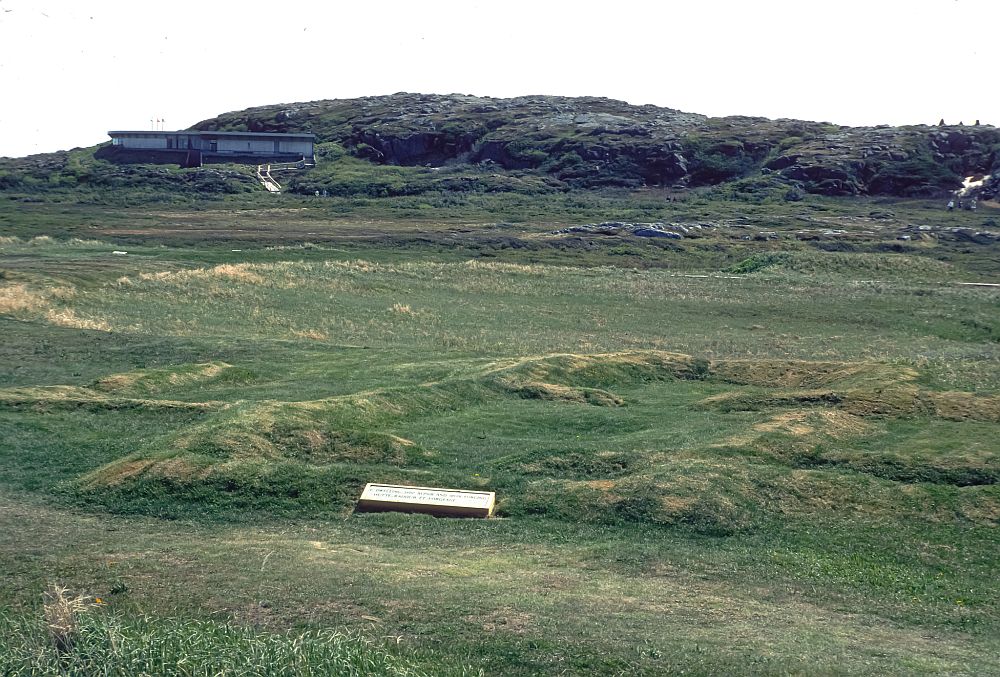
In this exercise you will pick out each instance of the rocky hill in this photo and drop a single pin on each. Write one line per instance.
(589, 142)
(408, 144)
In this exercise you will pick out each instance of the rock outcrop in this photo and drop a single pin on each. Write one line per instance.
(586, 142)
(538, 144)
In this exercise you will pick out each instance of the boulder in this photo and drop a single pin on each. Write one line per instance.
(652, 232)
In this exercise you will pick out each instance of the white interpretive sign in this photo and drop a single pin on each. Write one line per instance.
(450, 502)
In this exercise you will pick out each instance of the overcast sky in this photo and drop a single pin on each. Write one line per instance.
(70, 70)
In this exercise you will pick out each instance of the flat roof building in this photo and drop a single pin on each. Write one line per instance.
(193, 148)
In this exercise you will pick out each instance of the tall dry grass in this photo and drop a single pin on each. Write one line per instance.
(246, 273)
(17, 298)
(61, 610)
(67, 317)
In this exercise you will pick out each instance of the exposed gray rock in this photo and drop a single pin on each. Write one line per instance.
(653, 232)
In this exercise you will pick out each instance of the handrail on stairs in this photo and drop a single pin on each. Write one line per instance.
(267, 180)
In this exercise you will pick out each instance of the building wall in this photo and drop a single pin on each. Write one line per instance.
(229, 145)
(264, 146)
(304, 148)
(149, 141)
(242, 145)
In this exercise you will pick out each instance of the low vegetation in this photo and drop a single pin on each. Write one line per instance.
(80, 637)
(765, 446)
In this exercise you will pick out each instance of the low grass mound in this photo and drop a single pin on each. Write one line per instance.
(806, 374)
(892, 401)
(584, 378)
(155, 381)
(822, 418)
(317, 454)
(826, 426)
(855, 265)
(608, 369)
(695, 494)
(721, 495)
(163, 388)
(835, 439)
(574, 464)
(534, 390)
(45, 398)
(839, 416)
(859, 388)
(285, 456)
(804, 427)
(963, 406)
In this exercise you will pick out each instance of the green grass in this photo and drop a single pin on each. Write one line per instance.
(103, 644)
(723, 456)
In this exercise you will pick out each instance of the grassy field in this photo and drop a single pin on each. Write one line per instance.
(770, 448)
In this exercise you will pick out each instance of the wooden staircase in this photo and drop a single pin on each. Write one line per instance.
(271, 184)
(266, 180)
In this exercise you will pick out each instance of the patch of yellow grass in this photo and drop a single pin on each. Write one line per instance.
(600, 485)
(805, 374)
(178, 468)
(246, 273)
(67, 317)
(210, 370)
(960, 406)
(239, 272)
(498, 266)
(17, 297)
(61, 293)
(805, 424)
(676, 505)
(618, 366)
(791, 423)
(117, 381)
(116, 473)
(153, 380)
(980, 506)
(313, 334)
(836, 424)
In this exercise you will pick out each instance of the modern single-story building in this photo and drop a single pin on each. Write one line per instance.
(192, 148)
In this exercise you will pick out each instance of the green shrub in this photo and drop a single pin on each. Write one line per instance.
(718, 162)
(918, 175)
(757, 262)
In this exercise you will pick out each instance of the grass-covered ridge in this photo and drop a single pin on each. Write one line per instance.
(298, 457)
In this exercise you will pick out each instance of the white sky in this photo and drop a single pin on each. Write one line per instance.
(70, 70)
